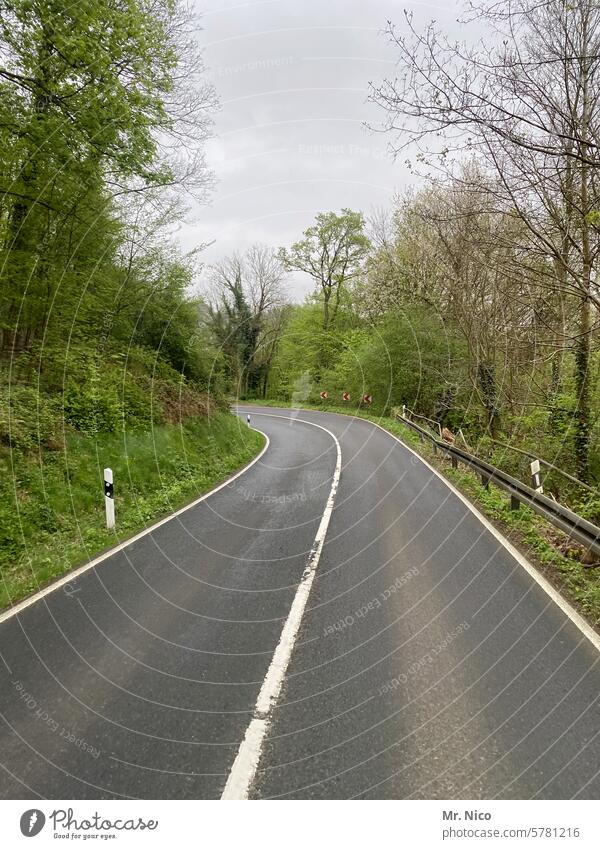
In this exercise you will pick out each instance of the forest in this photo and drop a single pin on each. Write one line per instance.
(473, 300)
(105, 359)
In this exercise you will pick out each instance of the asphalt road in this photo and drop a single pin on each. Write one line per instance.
(428, 662)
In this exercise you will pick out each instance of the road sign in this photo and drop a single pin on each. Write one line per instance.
(345, 396)
(367, 399)
(324, 395)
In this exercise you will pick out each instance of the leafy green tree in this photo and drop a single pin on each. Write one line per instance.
(332, 252)
(91, 101)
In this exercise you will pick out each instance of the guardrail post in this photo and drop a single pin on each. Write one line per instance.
(560, 516)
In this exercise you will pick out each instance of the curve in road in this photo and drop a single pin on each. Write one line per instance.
(426, 663)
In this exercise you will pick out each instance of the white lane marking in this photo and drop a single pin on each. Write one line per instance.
(248, 756)
(569, 611)
(75, 573)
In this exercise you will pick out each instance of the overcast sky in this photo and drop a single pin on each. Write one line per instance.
(293, 77)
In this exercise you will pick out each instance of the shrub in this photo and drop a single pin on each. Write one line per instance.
(27, 418)
(92, 408)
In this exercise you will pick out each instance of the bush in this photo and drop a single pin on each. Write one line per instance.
(28, 419)
(92, 408)
(139, 410)
(112, 401)
(94, 395)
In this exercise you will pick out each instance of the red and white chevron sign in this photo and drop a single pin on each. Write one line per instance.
(324, 395)
(367, 399)
(345, 396)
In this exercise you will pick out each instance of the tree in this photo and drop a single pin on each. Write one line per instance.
(332, 252)
(246, 316)
(93, 100)
(526, 101)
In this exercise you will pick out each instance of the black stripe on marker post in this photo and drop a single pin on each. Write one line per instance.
(109, 498)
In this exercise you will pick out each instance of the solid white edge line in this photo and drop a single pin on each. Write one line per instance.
(247, 759)
(569, 611)
(75, 573)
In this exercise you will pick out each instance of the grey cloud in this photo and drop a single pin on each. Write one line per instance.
(291, 139)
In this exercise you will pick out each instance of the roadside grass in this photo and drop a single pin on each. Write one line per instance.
(52, 504)
(545, 546)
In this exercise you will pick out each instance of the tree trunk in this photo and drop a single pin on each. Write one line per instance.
(326, 299)
(486, 373)
(583, 343)
(22, 232)
(582, 389)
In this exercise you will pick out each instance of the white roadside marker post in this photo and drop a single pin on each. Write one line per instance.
(535, 476)
(248, 419)
(109, 498)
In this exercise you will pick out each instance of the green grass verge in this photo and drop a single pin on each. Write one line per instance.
(542, 544)
(52, 504)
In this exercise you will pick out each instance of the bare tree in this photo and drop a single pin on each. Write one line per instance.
(453, 253)
(247, 293)
(265, 275)
(526, 101)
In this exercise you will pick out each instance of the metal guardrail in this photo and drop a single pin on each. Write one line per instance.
(576, 527)
(547, 464)
(531, 455)
(438, 426)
